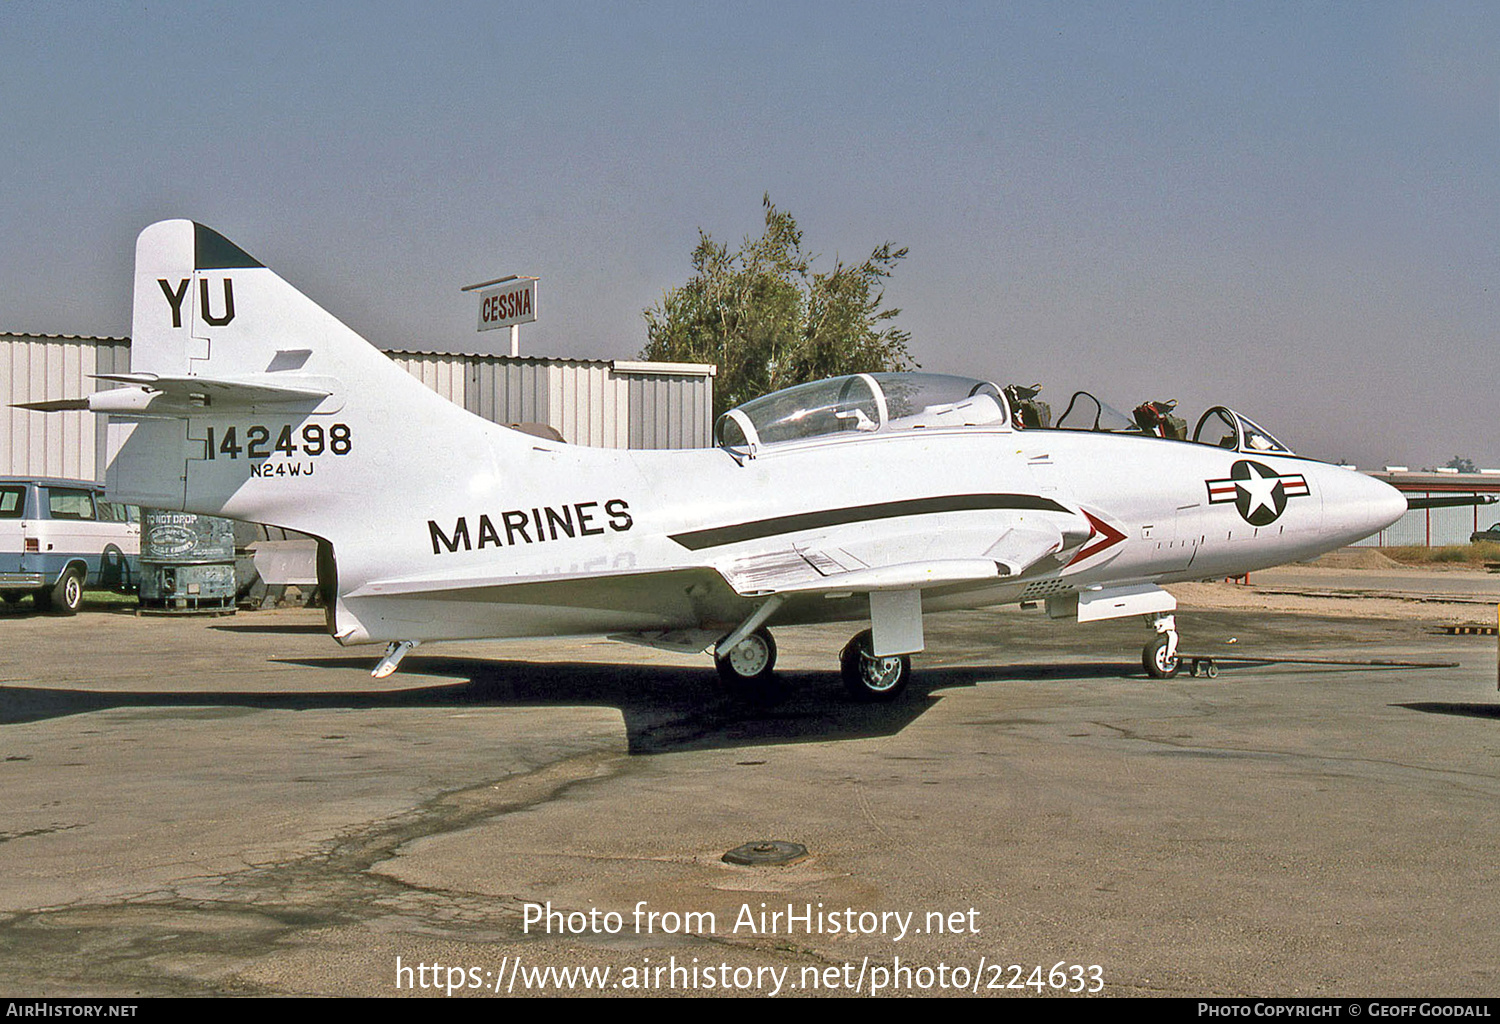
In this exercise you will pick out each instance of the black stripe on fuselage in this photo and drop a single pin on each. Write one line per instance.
(697, 540)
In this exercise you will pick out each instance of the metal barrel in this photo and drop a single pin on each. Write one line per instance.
(187, 563)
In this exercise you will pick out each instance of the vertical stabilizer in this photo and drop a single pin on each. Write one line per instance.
(258, 404)
(176, 262)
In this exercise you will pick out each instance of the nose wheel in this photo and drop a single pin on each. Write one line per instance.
(1159, 657)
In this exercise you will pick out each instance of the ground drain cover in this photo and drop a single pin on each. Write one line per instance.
(766, 851)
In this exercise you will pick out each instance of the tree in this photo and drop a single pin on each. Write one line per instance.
(768, 320)
(1462, 464)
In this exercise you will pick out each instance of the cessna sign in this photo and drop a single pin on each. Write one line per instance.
(507, 304)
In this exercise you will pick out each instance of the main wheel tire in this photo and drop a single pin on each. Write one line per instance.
(66, 596)
(1155, 661)
(749, 667)
(868, 677)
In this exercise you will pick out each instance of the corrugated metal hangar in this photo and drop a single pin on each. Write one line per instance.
(39, 368)
(603, 403)
(1438, 527)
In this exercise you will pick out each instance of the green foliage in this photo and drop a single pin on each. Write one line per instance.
(1477, 553)
(768, 320)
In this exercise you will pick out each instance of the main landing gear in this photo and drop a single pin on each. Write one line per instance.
(748, 668)
(750, 662)
(747, 657)
(873, 678)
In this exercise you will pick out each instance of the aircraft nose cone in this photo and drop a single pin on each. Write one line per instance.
(1355, 505)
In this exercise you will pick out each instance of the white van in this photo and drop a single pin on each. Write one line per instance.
(58, 537)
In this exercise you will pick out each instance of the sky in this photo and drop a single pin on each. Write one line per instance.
(1291, 209)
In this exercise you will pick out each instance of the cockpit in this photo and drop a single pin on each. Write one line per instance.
(1220, 426)
(1228, 429)
(885, 403)
(863, 403)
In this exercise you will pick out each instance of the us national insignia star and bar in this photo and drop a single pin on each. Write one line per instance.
(1259, 493)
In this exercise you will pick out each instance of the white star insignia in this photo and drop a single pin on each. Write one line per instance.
(1260, 490)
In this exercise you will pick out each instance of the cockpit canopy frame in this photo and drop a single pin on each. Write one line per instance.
(1086, 412)
(863, 403)
(1220, 426)
(887, 403)
(1224, 428)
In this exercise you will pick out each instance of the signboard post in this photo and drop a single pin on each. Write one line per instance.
(507, 302)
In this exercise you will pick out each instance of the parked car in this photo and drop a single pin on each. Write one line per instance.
(58, 537)
(1493, 533)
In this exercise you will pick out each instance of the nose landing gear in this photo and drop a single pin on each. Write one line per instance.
(1159, 657)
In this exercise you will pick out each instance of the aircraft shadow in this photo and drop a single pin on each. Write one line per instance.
(29, 610)
(1463, 709)
(664, 709)
(285, 628)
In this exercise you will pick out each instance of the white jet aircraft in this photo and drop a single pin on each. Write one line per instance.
(872, 497)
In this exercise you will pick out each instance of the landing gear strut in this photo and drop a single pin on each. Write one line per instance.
(870, 678)
(394, 652)
(1159, 657)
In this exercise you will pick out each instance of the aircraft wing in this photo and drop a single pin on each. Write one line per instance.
(880, 566)
(893, 569)
(626, 601)
(475, 586)
(901, 562)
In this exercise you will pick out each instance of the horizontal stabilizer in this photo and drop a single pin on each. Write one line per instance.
(57, 405)
(228, 390)
(154, 396)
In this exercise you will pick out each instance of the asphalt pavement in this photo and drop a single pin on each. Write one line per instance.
(233, 806)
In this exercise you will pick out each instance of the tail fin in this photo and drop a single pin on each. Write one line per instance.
(250, 401)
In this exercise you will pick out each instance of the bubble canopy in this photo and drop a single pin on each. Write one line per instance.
(864, 403)
(1225, 428)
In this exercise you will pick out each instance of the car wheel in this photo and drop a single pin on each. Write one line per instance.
(67, 594)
